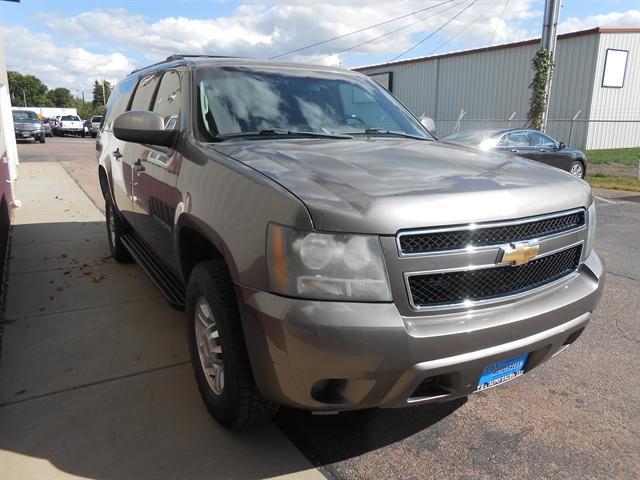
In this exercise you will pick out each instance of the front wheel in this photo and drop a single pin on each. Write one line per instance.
(218, 351)
(577, 169)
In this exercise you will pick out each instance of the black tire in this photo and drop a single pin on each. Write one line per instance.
(578, 169)
(239, 403)
(94, 135)
(116, 227)
(42, 138)
(83, 134)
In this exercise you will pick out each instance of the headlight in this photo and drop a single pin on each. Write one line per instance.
(326, 266)
(591, 235)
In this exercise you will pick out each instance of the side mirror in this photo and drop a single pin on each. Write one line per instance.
(428, 123)
(561, 146)
(144, 127)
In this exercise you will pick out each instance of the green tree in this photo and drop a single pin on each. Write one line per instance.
(100, 94)
(542, 70)
(60, 97)
(27, 87)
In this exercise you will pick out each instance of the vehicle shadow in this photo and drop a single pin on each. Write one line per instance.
(327, 439)
(95, 379)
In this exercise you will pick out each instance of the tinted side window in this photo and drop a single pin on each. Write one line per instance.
(118, 101)
(167, 102)
(144, 92)
(540, 140)
(518, 139)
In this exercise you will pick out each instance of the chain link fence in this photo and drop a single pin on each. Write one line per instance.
(575, 131)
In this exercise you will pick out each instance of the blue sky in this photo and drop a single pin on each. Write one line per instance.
(70, 43)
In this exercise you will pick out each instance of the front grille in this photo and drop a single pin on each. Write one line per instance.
(450, 288)
(425, 242)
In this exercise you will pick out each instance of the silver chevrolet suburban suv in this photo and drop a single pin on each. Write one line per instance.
(330, 254)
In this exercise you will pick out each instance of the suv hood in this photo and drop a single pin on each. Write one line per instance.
(382, 185)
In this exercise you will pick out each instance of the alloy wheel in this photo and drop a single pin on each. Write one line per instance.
(577, 170)
(209, 347)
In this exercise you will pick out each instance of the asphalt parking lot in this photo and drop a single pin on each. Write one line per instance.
(577, 416)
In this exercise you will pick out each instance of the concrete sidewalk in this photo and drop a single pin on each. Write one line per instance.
(95, 380)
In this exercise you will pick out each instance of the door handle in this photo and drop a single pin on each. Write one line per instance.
(137, 166)
(116, 154)
(542, 150)
(514, 150)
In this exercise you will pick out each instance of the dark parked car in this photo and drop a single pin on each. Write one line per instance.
(329, 254)
(526, 143)
(27, 126)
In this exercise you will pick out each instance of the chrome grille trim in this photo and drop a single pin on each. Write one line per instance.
(498, 299)
(478, 226)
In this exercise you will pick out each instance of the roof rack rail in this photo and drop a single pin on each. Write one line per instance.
(178, 56)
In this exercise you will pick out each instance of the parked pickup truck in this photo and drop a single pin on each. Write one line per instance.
(70, 125)
(329, 253)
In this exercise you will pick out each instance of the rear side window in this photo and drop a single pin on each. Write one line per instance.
(167, 102)
(70, 118)
(517, 139)
(118, 101)
(144, 92)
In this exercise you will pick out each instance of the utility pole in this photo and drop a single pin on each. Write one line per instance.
(24, 97)
(104, 95)
(548, 41)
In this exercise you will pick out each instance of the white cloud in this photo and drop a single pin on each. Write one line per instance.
(61, 64)
(252, 30)
(630, 18)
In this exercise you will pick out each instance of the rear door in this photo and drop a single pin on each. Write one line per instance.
(515, 143)
(110, 148)
(155, 186)
(131, 153)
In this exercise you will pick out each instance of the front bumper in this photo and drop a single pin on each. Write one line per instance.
(344, 356)
(28, 134)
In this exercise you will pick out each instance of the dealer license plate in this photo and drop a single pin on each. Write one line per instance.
(502, 371)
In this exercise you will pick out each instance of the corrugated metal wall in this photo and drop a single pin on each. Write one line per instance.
(616, 103)
(492, 84)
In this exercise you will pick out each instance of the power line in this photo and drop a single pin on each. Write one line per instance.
(388, 33)
(358, 31)
(434, 32)
(499, 20)
(462, 30)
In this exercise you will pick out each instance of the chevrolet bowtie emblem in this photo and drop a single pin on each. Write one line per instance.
(519, 253)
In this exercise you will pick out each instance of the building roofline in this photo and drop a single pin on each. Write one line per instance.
(520, 43)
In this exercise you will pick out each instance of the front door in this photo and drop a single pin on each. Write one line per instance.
(545, 150)
(155, 180)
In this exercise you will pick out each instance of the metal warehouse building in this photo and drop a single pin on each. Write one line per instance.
(596, 80)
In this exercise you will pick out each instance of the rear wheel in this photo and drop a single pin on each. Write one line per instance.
(116, 228)
(577, 169)
(218, 351)
(42, 139)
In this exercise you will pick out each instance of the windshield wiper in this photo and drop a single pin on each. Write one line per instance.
(382, 131)
(270, 132)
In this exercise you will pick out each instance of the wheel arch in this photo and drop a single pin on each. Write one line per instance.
(197, 242)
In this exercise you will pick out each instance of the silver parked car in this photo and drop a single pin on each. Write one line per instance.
(94, 125)
(329, 253)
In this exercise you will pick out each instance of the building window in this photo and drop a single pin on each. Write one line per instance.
(385, 80)
(615, 66)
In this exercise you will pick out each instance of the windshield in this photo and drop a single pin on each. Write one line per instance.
(96, 119)
(234, 100)
(70, 118)
(24, 115)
